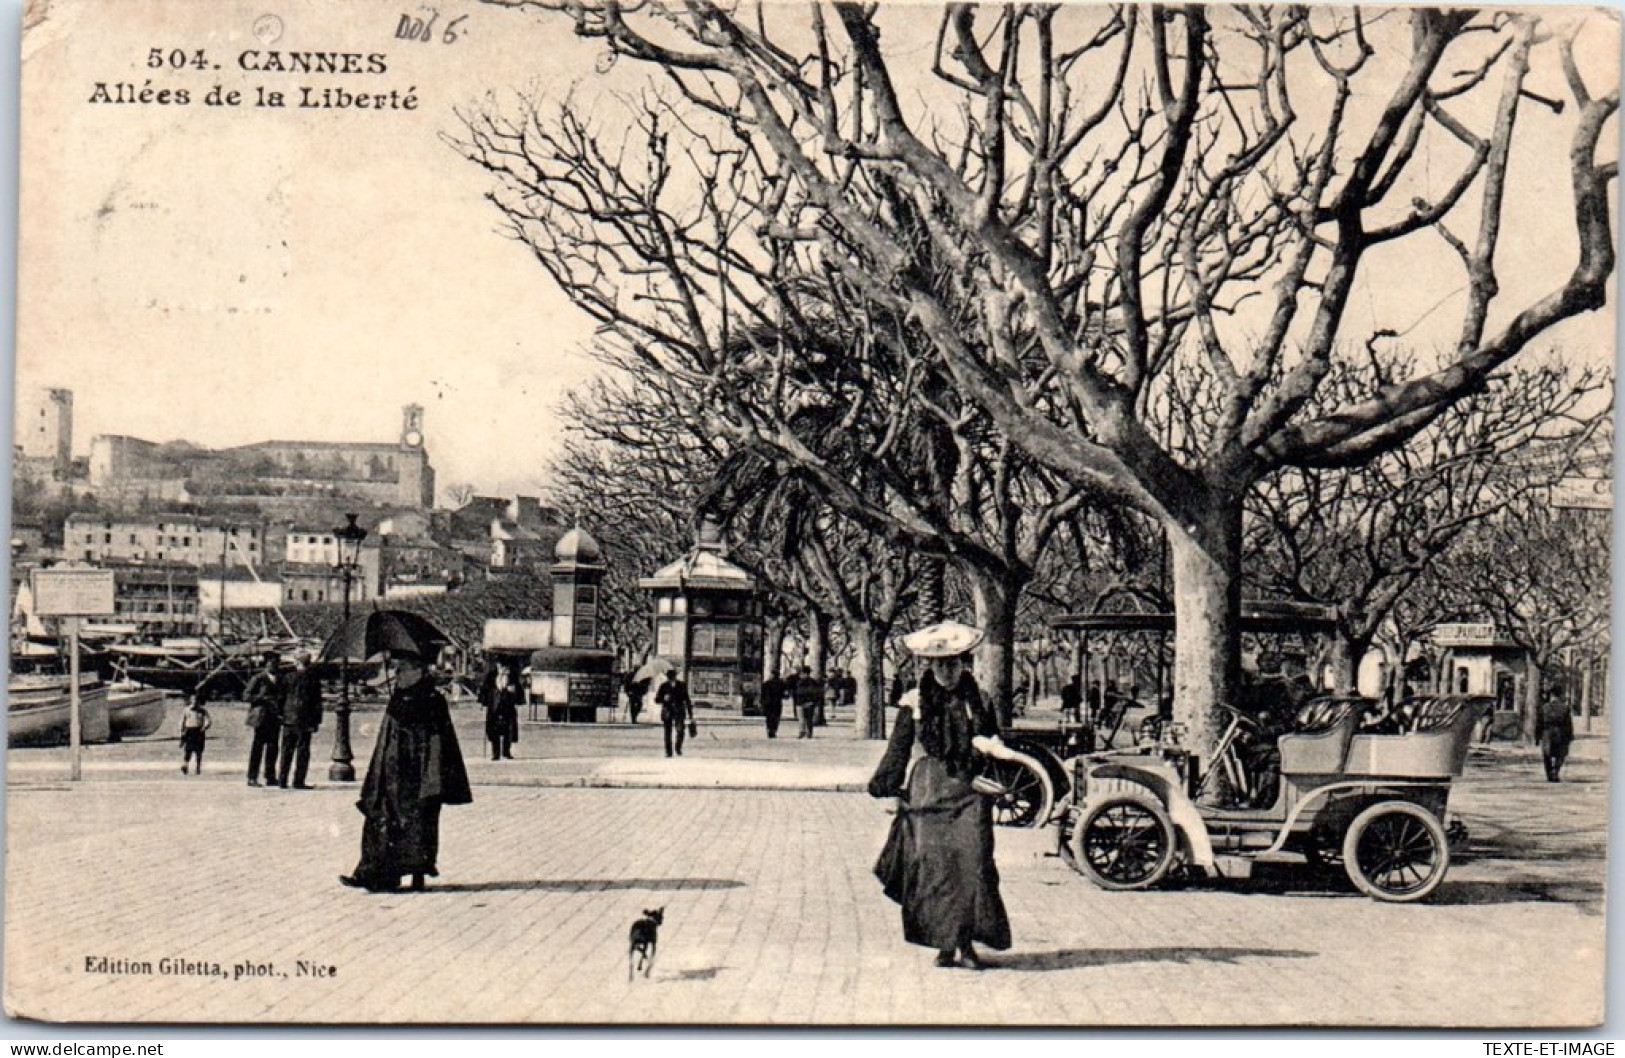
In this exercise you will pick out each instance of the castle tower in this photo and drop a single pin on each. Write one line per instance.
(417, 476)
(412, 426)
(45, 428)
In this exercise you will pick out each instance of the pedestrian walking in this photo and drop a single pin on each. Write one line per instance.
(772, 704)
(635, 690)
(676, 710)
(264, 718)
(416, 768)
(809, 697)
(301, 717)
(499, 694)
(938, 859)
(1072, 700)
(195, 723)
(1554, 730)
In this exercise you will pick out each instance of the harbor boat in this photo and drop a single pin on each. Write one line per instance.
(183, 665)
(135, 711)
(38, 710)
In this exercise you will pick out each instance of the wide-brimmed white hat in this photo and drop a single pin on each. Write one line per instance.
(945, 639)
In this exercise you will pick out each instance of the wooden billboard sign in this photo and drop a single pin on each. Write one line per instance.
(72, 592)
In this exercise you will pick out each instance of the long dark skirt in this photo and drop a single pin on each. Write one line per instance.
(938, 864)
(391, 848)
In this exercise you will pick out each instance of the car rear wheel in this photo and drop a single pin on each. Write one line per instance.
(1123, 842)
(1396, 851)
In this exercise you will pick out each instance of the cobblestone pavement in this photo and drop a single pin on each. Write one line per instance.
(772, 916)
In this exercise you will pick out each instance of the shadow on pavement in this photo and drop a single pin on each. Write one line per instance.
(587, 885)
(705, 974)
(1520, 892)
(1079, 958)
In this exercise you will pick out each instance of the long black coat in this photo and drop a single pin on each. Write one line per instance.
(501, 701)
(674, 702)
(938, 859)
(1554, 727)
(416, 767)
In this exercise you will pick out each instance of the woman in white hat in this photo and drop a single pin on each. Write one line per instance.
(938, 859)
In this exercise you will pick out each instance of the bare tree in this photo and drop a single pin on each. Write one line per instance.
(808, 549)
(1084, 200)
(1542, 574)
(635, 477)
(1363, 537)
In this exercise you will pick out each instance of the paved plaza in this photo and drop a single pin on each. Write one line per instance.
(760, 853)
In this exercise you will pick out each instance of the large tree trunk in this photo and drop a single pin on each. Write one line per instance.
(1531, 698)
(996, 616)
(817, 656)
(1344, 659)
(1207, 623)
(868, 663)
(1585, 693)
(818, 660)
(773, 648)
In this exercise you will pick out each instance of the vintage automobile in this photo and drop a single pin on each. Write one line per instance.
(1035, 782)
(1373, 802)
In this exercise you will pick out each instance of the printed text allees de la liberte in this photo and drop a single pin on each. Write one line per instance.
(172, 64)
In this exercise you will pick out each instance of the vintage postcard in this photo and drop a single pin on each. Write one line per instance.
(582, 512)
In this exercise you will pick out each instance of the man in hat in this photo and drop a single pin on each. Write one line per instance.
(808, 694)
(676, 709)
(1554, 731)
(772, 704)
(264, 697)
(301, 716)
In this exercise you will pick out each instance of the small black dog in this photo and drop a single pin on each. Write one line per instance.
(644, 937)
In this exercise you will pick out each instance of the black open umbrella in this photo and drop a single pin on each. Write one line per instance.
(367, 635)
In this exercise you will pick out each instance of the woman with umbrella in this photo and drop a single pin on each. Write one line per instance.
(417, 766)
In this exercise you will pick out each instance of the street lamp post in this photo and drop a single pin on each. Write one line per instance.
(349, 537)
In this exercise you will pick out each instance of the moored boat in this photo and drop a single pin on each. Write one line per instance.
(183, 665)
(38, 709)
(134, 711)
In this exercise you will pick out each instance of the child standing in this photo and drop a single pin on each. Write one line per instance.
(194, 723)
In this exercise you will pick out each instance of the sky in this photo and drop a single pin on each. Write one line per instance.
(231, 274)
(236, 274)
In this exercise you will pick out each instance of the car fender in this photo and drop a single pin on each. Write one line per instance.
(1164, 784)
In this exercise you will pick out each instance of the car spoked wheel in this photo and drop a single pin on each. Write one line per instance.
(1396, 851)
(1026, 795)
(1124, 843)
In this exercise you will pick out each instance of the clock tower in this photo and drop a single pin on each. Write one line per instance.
(412, 426)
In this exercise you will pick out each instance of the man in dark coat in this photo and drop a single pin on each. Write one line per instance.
(499, 694)
(264, 697)
(635, 690)
(1554, 730)
(301, 716)
(809, 698)
(772, 704)
(416, 767)
(1072, 699)
(676, 709)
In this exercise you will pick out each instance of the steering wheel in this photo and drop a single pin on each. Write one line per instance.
(1241, 716)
